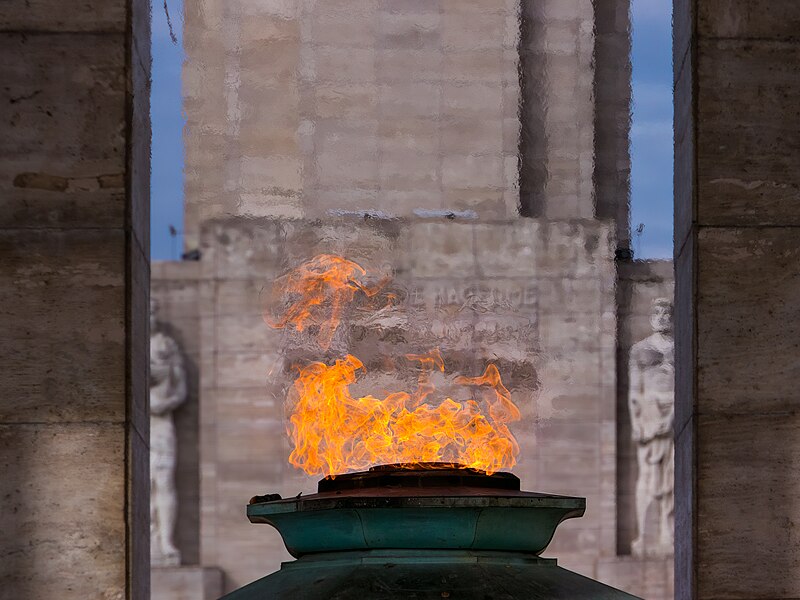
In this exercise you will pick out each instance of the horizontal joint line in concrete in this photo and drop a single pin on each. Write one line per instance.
(748, 226)
(724, 414)
(771, 40)
(114, 423)
(96, 32)
(46, 229)
(653, 279)
(472, 277)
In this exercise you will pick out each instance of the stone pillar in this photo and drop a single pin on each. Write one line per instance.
(74, 278)
(205, 136)
(557, 111)
(737, 236)
(612, 88)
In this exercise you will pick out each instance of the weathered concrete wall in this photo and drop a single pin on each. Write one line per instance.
(550, 328)
(737, 282)
(297, 108)
(74, 278)
(557, 109)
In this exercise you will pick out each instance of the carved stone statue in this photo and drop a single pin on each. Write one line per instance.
(167, 392)
(652, 407)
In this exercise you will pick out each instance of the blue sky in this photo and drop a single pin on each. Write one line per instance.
(651, 133)
(166, 178)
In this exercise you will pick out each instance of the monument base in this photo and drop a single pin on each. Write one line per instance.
(185, 583)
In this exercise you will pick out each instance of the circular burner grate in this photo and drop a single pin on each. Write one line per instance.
(422, 475)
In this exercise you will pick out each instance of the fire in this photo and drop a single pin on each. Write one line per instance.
(334, 431)
(318, 291)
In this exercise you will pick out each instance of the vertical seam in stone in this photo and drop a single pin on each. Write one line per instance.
(215, 387)
(609, 540)
(127, 501)
(595, 60)
(524, 207)
(592, 92)
(378, 82)
(622, 295)
(231, 28)
(307, 121)
(439, 133)
(695, 262)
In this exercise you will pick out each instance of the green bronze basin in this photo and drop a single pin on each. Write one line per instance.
(467, 519)
(427, 532)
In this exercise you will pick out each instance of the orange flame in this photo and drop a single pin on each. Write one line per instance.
(318, 291)
(334, 432)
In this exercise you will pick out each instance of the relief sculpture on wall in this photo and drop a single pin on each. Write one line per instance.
(651, 402)
(167, 392)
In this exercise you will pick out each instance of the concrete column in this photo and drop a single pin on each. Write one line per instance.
(205, 138)
(737, 236)
(612, 88)
(557, 111)
(74, 278)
